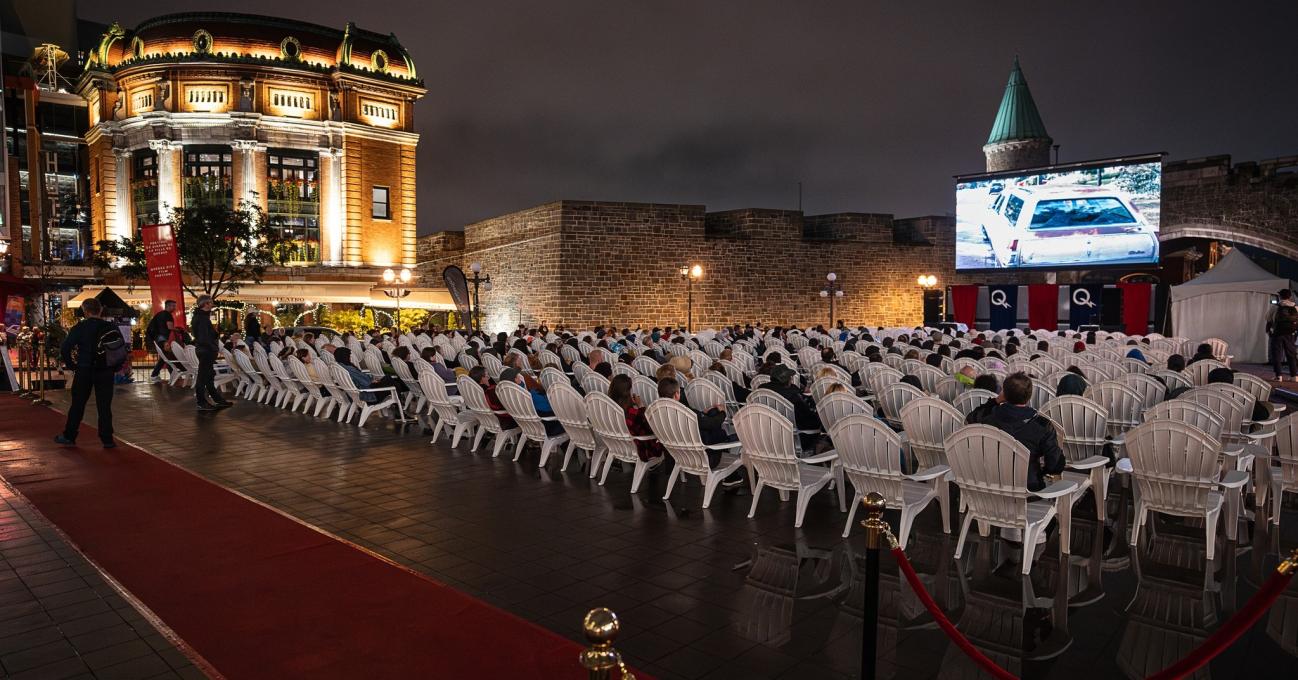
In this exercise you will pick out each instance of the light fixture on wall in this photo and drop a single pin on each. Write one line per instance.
(926, 280)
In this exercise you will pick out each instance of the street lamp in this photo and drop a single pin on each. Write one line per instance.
(832, 290)
(927, 282)
(690, 274)
(396, 288)
(485, 282)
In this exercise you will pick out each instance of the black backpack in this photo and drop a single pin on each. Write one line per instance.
(112, 348)
(1286, 320)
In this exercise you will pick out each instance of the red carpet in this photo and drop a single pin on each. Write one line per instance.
(259, 595)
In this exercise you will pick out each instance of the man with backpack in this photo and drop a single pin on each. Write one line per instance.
(93, 351)
(159, 332)
(1281, 325)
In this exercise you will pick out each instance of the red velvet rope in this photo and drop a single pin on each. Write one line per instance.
(1216, 643)
(945, 624)
(1227, 634)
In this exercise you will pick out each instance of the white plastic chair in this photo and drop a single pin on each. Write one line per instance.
(1150, 390)
(1123, 404)
(1285, 479)
(835, 407)
(570, 409)
(971, 399)
(870, 456)
(518, 402)
(893, 397)
(551, 376)
(609, 422)
(1041, 393)
(677, 429)
(1176, 469)
(991, 469)
(928, 422)
(344, 382)
(594, 383)
(1083, 426)
(1199, 370)
(645, 388)
(446, 408)
(475, 400)
(770, 447)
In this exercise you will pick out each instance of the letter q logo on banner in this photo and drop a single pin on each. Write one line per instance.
(999, 299)
(1082, 297)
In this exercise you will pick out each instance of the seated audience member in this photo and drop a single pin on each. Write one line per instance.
(913, 381)
(479, 375)
(444, 374)
(1135, 353)
(711, 422)
(1262, 410)
(1176, 362)
(804, 416)
(1203, 351)
(934, 360)
(741, 393)
(363, 380)
(540, 402)
(682, 366)
(605, 369)
(1073, 383)
(1010, 412)
(911, 354)
(619, 390)
(988, 382)
(966, 376)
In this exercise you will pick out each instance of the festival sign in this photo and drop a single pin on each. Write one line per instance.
(163, 261)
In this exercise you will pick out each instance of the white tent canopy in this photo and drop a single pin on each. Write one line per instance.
(1229, 301)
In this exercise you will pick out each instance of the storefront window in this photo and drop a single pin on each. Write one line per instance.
(294, 202)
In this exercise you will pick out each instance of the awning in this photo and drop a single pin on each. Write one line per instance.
(297, 293)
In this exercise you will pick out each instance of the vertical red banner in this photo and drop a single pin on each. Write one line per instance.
(1043, 306)
(1135, 307)
(964, 304)
(163, 262)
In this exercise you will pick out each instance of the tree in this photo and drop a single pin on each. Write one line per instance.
(219, 248)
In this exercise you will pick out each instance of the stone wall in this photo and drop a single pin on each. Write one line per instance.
(1254, 203)
(584, 263)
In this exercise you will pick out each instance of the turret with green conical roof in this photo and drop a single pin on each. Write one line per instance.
(1018, 138)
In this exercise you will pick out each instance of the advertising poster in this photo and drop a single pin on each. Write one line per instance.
(163, 261)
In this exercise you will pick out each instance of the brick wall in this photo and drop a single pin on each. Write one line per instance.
(584, 263)
(1255, 203)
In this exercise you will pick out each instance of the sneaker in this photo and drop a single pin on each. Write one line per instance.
(60, 439)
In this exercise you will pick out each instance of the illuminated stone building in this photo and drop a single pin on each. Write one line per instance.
(313, 124)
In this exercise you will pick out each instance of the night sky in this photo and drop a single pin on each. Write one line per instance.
(872, 105)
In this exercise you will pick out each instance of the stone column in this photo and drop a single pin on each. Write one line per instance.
(170, 195)
(249, 164)
(332, 216)
(121, 217)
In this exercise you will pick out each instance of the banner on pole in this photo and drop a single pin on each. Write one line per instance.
(458, 286)
(1004, 306)
(1084, 305)
(163, 261)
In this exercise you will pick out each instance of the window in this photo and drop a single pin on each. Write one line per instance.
(293, 202)
(1080, 212)
(1012, 209)
(144, 187)
(208, 176)
(380, 209)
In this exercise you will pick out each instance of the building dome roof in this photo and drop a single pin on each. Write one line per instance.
(248, 38)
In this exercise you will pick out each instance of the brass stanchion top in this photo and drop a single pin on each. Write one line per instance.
(874, 503)
(875, 526)
(601, 627)
(1289, 565)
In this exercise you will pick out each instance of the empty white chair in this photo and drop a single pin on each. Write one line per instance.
(570, 409)
(893, 397)
(518, 402)
(869, 453)
(835, 407)
(1150, 390)
(1122, 403)
(1285, 479)
(677, 429)
(446, 408)
(609, 422)
(991, 469)
(1176, 471)
(927, 423)
(1083, 429)
(969, 400)
(475, 400)
(770, 446)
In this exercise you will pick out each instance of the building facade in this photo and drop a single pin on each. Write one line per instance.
(314, 125)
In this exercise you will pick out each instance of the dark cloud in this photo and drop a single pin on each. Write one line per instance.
(872, 105)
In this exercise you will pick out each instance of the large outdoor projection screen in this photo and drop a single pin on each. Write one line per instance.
(1096, 214)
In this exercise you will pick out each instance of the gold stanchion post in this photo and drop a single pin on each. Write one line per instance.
(875, 529)
(600, 660)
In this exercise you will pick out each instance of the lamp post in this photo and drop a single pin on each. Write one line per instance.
(485, 282)
(832, 290)
(690, 273)
(927, 282)
(396, 288)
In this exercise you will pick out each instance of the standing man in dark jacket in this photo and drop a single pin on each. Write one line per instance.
(91, 373)
(158, 332)
(1010, 412)
(252, 328)
(206, 346)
